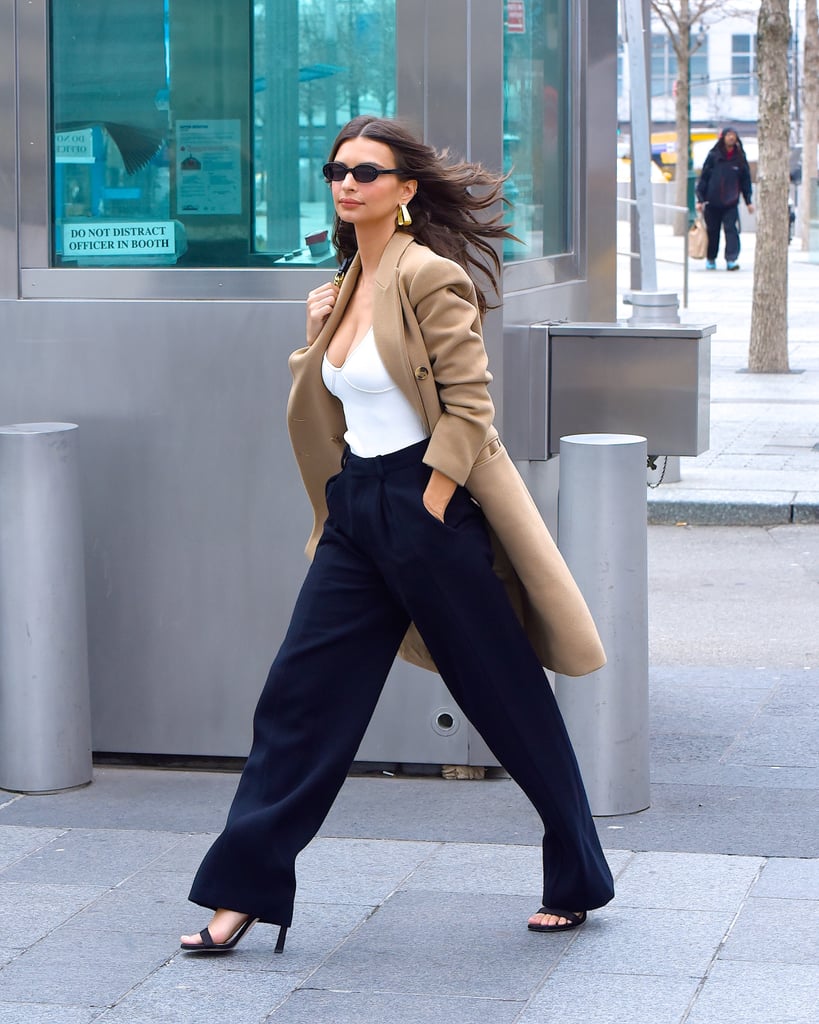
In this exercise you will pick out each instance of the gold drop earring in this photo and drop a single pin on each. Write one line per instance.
(404, 216)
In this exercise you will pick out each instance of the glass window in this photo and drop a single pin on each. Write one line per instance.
(537, 149)
(699, 65)
(663, 65)
(192, 132)
(743, 65)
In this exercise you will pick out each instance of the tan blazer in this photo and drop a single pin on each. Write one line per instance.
(427, 331)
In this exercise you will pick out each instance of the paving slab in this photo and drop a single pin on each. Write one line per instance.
(647, 941)
(175, 994)
(782, 931)
(308, 1006)
(90, 857)
(42, 1013)
(605, 998)
(681, 881)
(81, 968)
(438, 943)
(788, 879)
(479, 869)
(31, 910)
(358, 871)
(757, 994)
(19, 842)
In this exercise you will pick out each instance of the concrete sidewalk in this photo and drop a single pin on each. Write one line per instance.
(412, 903)
(762, 466)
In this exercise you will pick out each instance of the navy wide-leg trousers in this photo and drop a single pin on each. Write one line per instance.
(383, 561)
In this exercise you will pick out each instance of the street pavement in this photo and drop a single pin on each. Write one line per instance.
(412, 902)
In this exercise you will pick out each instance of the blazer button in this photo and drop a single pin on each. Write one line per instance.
(421, 373)
(336, 439)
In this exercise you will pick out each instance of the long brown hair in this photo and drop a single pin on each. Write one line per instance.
(449, 208)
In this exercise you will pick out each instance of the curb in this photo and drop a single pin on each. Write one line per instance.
(731, 513)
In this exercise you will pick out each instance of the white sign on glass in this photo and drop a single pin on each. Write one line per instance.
(114, 238)
(208, 167)
(74, 147)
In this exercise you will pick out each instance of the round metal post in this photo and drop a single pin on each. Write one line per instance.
(45, 720)
(602, 534)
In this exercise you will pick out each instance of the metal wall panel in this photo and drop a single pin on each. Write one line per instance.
(8, 155)
(194, 516)
(33, 148)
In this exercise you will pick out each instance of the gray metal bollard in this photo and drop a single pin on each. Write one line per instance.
(602, 534)
(653, 308)
(45, 720)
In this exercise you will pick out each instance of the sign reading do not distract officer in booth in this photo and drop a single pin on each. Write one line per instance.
(91, 242)
(122, 238)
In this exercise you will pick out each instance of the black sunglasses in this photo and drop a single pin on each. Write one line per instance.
(363, 173)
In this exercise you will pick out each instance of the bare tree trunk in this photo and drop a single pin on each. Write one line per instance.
(768, 352)
(810, 118)
(681, 116)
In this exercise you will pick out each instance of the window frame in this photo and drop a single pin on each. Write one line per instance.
(39, 280)
(563, 268)
(747, 78)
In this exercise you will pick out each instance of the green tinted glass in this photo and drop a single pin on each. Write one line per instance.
(537, 149)
(193, 132)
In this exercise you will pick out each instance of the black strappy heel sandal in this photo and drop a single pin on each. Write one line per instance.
(572, 920)
(207, 945)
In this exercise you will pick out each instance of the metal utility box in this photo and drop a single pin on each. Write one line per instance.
(621, 378)
(608, 378)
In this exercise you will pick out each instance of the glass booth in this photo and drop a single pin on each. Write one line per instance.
(163, 218)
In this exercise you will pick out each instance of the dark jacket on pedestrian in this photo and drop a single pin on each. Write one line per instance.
(725, 176)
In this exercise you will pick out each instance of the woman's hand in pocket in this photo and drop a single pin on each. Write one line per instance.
(437, 494)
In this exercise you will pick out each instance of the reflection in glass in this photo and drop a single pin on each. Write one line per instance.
(318, 63)
(193, 132)
(537, 150)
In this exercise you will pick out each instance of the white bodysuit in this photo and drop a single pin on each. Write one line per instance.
(379, 417)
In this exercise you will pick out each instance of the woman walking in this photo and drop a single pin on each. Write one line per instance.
(725, 176)
(390, 417)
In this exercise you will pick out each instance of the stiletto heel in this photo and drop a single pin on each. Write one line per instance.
(207, 945)
(280, 941)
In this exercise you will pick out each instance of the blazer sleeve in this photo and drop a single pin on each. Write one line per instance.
(443, 297)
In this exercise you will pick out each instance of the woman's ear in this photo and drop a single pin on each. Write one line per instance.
(408, 190)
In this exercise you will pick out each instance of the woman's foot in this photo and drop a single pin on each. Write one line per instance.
(547, 919)
(222, 927)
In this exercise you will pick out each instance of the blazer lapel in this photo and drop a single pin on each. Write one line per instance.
(342, 301)
(388, 317)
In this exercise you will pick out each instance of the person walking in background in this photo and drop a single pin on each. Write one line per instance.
(725, 177)
(391, 423)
